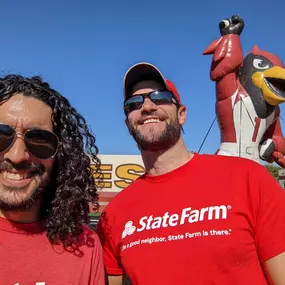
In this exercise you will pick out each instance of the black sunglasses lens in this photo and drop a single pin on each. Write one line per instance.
(7, 135)
(159, 98)
(134, 103)
(41, 144)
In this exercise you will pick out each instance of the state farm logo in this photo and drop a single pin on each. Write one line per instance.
(129, 229)
(186, 215)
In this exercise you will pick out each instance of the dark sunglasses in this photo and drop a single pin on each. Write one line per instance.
(40, 143)
(157, 97)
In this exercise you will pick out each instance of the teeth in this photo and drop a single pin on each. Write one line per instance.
(151, 121)
(14, 176)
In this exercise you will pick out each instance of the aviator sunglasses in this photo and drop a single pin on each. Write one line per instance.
(40, 143)
(157, 97)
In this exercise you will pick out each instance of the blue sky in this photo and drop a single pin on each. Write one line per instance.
(83, 49)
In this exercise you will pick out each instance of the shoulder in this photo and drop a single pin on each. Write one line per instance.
(241, 171)
(86, 245)
(89, 238)
(229, 162)
(87, 232)
(235, 170)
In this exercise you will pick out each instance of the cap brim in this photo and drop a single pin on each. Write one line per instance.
(141, 71)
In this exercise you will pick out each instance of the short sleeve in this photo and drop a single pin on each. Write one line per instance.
(97, 276)
(270, 218)
(105, 231)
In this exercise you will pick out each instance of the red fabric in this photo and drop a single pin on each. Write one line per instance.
(227, 56)
(214, 220)
(270, 56)
(171, 87)
(28, 258)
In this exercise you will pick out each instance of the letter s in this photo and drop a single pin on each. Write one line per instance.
(142, 223)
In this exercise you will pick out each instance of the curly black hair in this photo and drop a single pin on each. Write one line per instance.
(67, 203)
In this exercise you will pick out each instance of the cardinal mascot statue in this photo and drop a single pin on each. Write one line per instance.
(248, 93)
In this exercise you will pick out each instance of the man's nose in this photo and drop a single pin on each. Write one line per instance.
(18, 152)
(148, 106)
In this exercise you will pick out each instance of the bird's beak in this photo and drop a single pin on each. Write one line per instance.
(272, 84)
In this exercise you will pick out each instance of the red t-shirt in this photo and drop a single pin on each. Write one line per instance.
(28, 258)
(214, 220)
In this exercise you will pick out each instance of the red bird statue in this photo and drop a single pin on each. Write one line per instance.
(248, 92)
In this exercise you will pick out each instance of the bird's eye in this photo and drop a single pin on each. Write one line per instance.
(258, 64)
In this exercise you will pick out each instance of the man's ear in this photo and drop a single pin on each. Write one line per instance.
(128, 125)
(181, 115)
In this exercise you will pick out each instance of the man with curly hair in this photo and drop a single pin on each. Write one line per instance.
(46, 188)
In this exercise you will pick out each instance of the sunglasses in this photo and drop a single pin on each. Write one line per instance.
(157, 97)
(40, 143)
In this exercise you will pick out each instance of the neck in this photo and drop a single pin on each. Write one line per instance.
(161, 162)
(25, 217)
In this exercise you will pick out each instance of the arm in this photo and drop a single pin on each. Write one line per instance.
(279, 142)
(269, 228)
(273, 144)
(97, 276)
(275, 269)
(106, 233)
(227, 57)
(115, 280)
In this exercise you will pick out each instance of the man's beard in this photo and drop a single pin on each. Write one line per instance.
(162, 142)
(22, 203)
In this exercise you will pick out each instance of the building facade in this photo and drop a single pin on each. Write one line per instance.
(117, 172)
